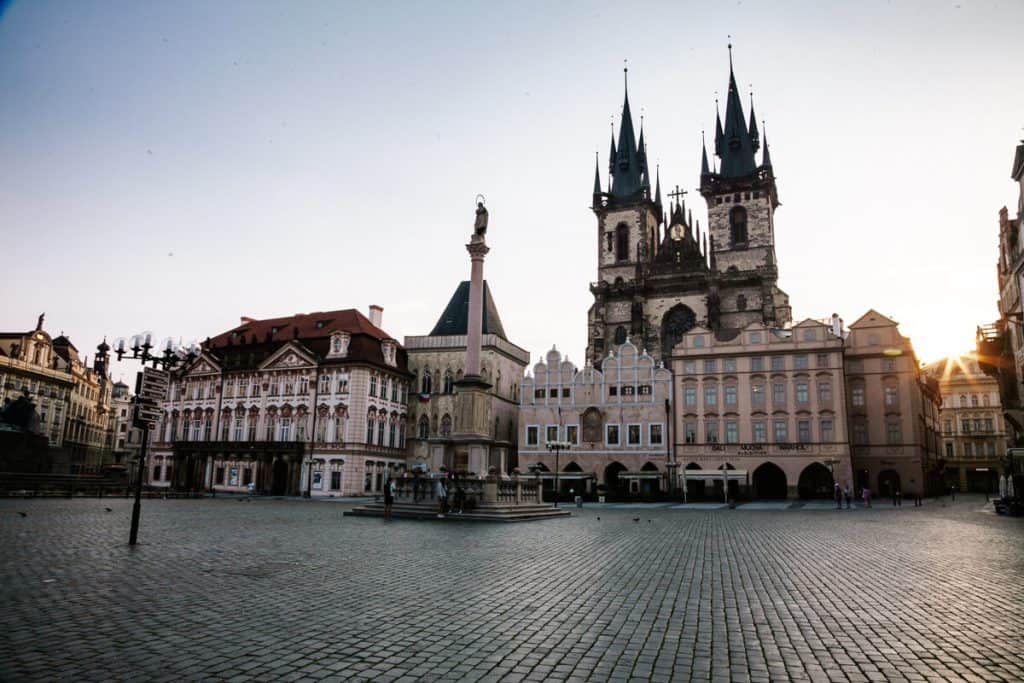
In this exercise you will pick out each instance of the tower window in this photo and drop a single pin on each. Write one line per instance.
(620, 335)
(738, 226)
(622, 243)
(611, 241)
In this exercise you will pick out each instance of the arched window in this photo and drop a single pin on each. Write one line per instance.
(620, 335)
(425, 384)
(447, 381)
(446, 425)
(738, 226)
(371, 422)
(963, 400)
(424, 427)
(974, 400)
(433, 425)
(622, 242)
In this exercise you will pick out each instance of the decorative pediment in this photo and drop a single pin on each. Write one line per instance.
(203, 365)
(288, 357)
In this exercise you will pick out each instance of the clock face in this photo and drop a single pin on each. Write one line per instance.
(676, 232)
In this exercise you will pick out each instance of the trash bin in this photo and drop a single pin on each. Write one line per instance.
(579, 501)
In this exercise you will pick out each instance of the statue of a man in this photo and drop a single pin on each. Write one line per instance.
(480, 227)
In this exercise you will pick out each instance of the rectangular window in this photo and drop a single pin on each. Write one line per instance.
(709, 366)
(551, 433)
(342, 384)
(857, 396)
(373, 385)
(730, 395)
(711, 431)
(826, 431)
(755, 337)
(757, 395)
(336, 480)
(888, 364)
(246, 476)
(778, 363)
(690, 395)
(732, 432)
(572, 433)
(384, 387)
(756, 364)
(689, 367)
(990, 448)
(966, 424)
(778, 393)
(822, 360)
(800, 361)
(613, 391)
(803, 394)
(566, 392)
(644, 389)
(633, 435)
(860, 433)
(611, 435)
(628, 390)
(220, 476)
(891, 398)
(977, 425)
(989, 424)
(654, 435)
(803, 431)
(325, 384)
(949, 450)
(690, 432)
(156, 472)
(760, 432)
(286, 429)
(729, 365)
(893, 434)
(538, 393)
(968, 449)
(710, 395)
(781, 431)
(531, 436)
(824, 392)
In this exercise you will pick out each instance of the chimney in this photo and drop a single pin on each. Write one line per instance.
(246, 320)
(376, 313)
(837, 328)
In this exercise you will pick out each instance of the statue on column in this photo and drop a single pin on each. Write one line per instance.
(480, 227)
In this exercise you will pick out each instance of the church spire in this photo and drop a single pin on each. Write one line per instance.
(718, 130)
(737, 153)
(766, 159)
(657, 184)
(704, 170)
(611, 153)
(627, 173)
(597, 178)
(755, 137)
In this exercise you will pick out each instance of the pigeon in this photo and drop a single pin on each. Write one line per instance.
(636, 519)
(648, 521)
(23, 514)
(599, 519)
(109, 509)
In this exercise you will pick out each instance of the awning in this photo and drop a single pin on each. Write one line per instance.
(713, 475)
(641, 475)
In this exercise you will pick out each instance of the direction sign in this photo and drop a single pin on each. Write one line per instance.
(152, 386)
(146, 414)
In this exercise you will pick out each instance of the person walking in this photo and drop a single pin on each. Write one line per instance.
(867, 497)
(838, 494)
(442, 498)
(847, 495)
(899, 498)
(389, 497)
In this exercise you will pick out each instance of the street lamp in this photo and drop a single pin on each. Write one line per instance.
(168, 360)
(557, 447)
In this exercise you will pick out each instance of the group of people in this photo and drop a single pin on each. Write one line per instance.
(419, 490)
(845, 495)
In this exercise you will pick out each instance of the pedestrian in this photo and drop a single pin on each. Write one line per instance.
(459, 499)
(952, 492)
(899, 498)
(892, 495)
(847, 495)
(389, 497)
(251, 488)
(867, 497)
(838, 494)
(442, 498)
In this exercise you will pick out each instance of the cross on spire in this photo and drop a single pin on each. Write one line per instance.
(677, 194)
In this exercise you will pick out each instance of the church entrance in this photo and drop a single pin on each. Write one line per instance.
(769, 482)
(279, 485)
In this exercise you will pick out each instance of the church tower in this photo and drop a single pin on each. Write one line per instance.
(741, 198)
(628, 220)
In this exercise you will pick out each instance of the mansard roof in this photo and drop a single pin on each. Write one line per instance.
(455, 319)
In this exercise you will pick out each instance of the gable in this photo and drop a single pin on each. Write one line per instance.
(288, 356)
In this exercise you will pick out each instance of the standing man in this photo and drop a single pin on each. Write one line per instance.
(442, 497)
(389, 497)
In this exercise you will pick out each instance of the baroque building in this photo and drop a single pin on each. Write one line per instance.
(312, 403)
(658, 275)
(437, 363)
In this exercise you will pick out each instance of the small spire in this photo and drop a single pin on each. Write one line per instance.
(719, 135)
(657, 184)
(704, 156)
(767, 159)
(611, 153)
(597, 176)
(755, 137)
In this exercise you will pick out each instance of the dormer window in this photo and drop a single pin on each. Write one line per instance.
(389, 348)
(339, 344)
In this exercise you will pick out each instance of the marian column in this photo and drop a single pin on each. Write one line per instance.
(477, 249)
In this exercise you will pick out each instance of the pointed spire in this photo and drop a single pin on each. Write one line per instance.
(718, 130)
(767, 159)
(704, 170)
(611, 154)
(627, 170)
(737, 152)
(597, 176)
(657, 184)
(755, 137)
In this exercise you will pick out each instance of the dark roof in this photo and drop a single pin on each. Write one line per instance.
(1017, 172)
(301, 326)
(455, 319)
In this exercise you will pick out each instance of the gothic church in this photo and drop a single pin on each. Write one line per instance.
(658, 275)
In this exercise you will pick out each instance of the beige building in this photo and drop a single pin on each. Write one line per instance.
(615, 420)
(974, 436)
(268, 399)
(437, 362)
(87, 418)
(892, 409)
(766, 404)
(28, 363)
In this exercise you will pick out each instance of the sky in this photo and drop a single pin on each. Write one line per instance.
(174, 166)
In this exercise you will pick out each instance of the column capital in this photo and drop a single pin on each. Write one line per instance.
(477, 249)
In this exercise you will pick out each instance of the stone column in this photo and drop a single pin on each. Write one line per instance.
(477, 249)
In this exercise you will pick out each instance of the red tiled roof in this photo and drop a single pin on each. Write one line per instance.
(302, 326)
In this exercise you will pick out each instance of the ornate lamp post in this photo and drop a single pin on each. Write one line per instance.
(171, 356)
(557, 447)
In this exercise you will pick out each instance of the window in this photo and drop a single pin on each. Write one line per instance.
(860, 433)
(810, 335)
(633, 435)
(729, 365)
(613, 391)
(974, 400)
(196, 427)
(373, 385)
(448, 383)
(380, 431)
(760, 433)
(968, 449)
(611, 435)
(990, 448)
(949, 450)
(893, 434)
(822, 360)
(965, 426)
(252, 428)
(336, 480)
(371, 423)
(392, 435)
(738, 226)
(778, 393)
(423, 427)
(220, 476)
(803, 394)
(572, 434)
(711, 431)
(977, 425)
(800, 361)
(710, 395)
(622, 242)
(963, 400)
(757, 395)
(531, 435)
(732, 432)
(730, 395)
(984, 400)
(383, 387)
(778, 363)
(551, 433)
(755, 337)
(891, 397)
(803, 431)
(446, 425)
(620, 335)
(628, 390)
(709, 366)
(756, 364)
(947, 426)
(781, 432)
(325, 384)
(690, 395)
(425, 383)
(989, 424)
(827, 435)
(824, 392)
(690, 432)
(643, 389)
(246, 476)
(689, 367)
(538, 393)
(654, 435)
(857, 395)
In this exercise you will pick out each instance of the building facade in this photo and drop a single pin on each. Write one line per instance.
(658, 275)
(313, 403)
(765, 402)
(974, 437)
(87, 418)
(892, 409)
(125, 438)
(615, 420)
(437, 363)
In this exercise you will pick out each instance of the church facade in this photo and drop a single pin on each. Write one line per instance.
(659, 275)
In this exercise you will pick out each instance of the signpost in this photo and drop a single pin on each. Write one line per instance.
(150, 389)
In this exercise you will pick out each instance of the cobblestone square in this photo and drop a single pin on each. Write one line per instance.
(292, 590)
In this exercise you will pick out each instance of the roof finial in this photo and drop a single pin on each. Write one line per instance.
(625, 73)
(730, 52)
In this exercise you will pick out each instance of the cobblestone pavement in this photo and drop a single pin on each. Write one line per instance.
(290, 590)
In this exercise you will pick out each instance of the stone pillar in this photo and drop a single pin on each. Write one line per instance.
(477, 249)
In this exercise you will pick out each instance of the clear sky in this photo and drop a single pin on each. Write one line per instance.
(176, 165)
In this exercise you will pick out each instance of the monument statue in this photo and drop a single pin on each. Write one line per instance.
(480, 227)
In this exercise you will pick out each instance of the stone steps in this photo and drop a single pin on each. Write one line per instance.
(482, 513)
